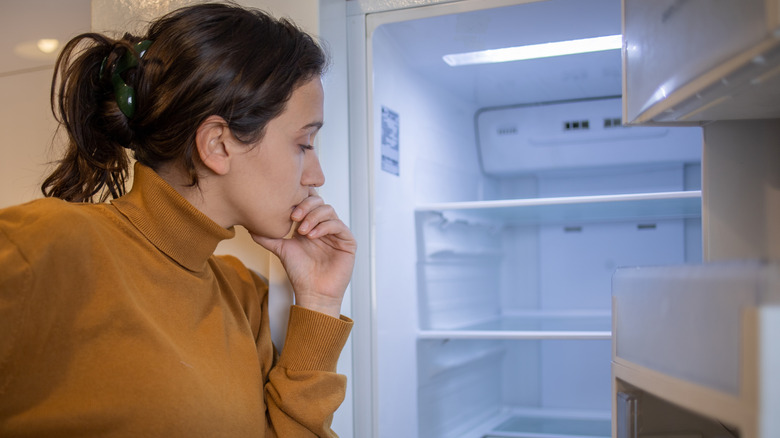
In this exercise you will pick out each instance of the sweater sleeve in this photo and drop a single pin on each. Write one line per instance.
(303, 389)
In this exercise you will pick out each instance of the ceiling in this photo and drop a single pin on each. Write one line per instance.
(24, 22)
(423, 42)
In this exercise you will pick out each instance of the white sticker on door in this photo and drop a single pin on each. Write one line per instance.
(390, 152)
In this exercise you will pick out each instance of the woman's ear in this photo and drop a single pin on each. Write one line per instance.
(211, 142)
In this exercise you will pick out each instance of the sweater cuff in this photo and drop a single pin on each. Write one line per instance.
(314, 340)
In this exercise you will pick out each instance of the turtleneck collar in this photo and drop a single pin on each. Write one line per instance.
(169, 221)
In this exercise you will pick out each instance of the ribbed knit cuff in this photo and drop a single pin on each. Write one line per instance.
(314, 340)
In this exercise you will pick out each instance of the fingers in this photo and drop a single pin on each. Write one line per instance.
(307, 205)
(320, 221)
(317, 219)
(311, 213)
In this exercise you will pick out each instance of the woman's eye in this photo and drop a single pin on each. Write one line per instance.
(306, 147)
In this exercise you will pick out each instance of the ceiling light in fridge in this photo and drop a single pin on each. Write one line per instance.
(534, 51)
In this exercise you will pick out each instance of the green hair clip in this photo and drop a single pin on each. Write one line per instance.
(125, 94)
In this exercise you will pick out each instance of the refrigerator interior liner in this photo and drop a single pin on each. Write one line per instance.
(503, 198)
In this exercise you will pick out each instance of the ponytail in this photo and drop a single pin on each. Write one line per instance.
(95, 164)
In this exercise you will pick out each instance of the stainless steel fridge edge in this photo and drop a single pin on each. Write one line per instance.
(332, 144)
(361, 177)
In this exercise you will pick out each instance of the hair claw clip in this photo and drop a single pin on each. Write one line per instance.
(125, 94)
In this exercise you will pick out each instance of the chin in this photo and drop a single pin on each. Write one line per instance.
(281, 232)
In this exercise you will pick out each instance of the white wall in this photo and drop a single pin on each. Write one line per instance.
(28, 126)
(26, 121)
(133, 16)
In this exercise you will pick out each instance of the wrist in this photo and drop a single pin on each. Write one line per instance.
(327, 305)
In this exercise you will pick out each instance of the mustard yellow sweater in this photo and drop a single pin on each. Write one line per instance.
(116, 320)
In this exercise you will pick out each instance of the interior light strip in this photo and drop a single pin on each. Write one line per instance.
(534, 51)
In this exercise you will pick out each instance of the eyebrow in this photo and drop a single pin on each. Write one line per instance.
(318, 124)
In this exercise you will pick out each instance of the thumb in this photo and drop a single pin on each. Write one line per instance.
(275, 244)
(271, 244)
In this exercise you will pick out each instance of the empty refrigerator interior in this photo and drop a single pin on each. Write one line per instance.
(502, 204)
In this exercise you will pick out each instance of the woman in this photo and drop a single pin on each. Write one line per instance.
(116, 319)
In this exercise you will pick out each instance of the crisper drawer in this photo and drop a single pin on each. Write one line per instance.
(686, 321)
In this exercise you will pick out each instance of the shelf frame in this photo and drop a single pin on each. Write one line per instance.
(514, 334)
(592, 208)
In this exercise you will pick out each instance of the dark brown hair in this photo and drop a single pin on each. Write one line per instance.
(208, 59)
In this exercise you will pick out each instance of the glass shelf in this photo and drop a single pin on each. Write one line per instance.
(531, 326)
(520, 426)
(639, 206)
(544, 423)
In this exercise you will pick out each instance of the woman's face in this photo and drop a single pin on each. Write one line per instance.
(270, 178)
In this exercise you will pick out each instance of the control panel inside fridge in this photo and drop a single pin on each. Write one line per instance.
(574, 134)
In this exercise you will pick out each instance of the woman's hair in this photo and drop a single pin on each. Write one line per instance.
(208, 59)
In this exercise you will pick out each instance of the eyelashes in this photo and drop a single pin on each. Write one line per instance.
(306, 147)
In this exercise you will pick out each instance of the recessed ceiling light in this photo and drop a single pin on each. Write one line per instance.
(48, 45)
(534, 51)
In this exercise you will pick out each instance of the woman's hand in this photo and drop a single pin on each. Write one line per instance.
(318, 257)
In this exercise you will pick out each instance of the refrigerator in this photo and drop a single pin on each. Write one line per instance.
(580, 245)
(493, 203)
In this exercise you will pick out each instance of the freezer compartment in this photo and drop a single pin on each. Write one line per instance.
(689, 322)
(482, 388)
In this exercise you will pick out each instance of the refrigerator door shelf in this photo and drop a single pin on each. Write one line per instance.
(700, 60)
(687, 321)
(700, 336)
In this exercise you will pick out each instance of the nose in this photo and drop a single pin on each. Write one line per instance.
(312, 171)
